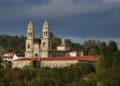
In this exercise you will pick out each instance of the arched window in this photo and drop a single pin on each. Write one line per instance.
(36, 55)
(44, 33)
(43, 44)
(28, 45)
(30, 34)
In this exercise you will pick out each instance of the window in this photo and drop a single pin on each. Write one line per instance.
(28, 45)
(36, 55)
(44, 33)
(43, 44)
(29, 34)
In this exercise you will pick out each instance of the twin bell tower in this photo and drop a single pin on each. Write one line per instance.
(33, 49)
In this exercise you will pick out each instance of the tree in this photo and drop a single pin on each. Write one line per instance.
(102, 47)
(1, 61)
(101, 64)
(92, 52)
(112, 49)
(76, 46)
(111, 77)
(116, 60)
(90, 44)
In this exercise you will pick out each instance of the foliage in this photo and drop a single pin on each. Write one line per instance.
(12, 43)
(90, 47)
(102, 48)
(112, 47)
(111, 50)
(44, 76)
(1, 62)
(116, 59)
(55, 42)
(110, 77)
(69, 76)
(92, 52)
(101, 64)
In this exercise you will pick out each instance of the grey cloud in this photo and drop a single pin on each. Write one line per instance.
(87, 19)
(111, 1)
(51, 8)
(64, 8)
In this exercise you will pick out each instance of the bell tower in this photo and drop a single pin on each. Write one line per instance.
(29, 41)
(45, 45)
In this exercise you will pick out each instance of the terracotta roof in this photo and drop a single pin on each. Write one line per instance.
(81, 58)
(88, 58)
(58, 59)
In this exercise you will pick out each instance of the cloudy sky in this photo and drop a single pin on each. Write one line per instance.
(76, 19)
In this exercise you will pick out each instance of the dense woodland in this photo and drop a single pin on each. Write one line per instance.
(16, 44)
(81, 74)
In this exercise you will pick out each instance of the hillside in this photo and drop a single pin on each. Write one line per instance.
(17, 44)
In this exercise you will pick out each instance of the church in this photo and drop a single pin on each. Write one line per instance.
(37, 49)
(42, 55)
(44, 49)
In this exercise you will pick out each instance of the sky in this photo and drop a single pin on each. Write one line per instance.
(78, 20)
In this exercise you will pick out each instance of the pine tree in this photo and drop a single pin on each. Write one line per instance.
(112, 49)
(101, 64)
(116, 60)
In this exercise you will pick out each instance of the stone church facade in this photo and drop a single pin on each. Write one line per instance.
(33, 49)
(43, 49)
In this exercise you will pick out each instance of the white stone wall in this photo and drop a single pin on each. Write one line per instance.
(58, 64)
(36, 50)
(29, 54)
(44, 54)
(73, 54)
(20, 64)
(62, 48)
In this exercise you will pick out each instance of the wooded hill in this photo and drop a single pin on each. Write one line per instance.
(90, 47)
(81, 74)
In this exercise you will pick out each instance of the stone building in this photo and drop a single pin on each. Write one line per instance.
(44, 56)
(37, 49)
(43, 49)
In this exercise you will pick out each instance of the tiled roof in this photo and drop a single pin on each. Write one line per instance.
(81, 58)
(88, 58)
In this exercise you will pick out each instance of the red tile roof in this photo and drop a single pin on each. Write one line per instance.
(81, 58)
(88, 58)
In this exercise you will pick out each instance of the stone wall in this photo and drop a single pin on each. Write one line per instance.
(20, 64)
(57, 64)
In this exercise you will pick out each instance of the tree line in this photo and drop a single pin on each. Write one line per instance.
(90, 47)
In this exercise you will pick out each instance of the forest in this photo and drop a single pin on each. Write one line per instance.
(81, 74)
